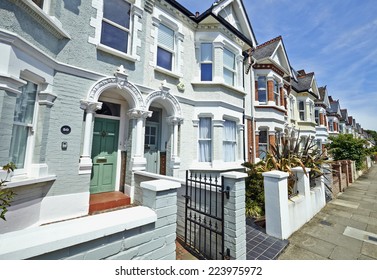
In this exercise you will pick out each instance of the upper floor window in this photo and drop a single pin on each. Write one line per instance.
(23, 121)
(316, 116)
(165, 48)
(311, 111)
(39, 3)
(262, 89)
(331, 125)
(276, 93)
(301, 109)
(115, 30)
(229, 67)
(229, 142)
(292, 108)
(205, 140)
(206, 61)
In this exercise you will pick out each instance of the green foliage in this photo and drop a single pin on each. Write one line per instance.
(345, 146)
(254, 192)
(6, 195)
(300, 152)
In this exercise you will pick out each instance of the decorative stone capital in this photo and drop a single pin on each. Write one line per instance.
(174, 120)
(90, 106)
(45, 96)
(137, 114)
(164, 89)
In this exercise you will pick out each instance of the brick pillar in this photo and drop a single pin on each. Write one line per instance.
(270, 90)
(345, 170)
(337, 173)
(321, 118)
(250, 140)
(282, 103)
(234, 215)
(161, 196)
(272, 139)
(256, 91)
(350, 173)
(257, 145)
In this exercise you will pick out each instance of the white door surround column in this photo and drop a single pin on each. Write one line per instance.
(90, 107)
(138, 161)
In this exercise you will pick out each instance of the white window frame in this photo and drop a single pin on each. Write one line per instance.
(172, 51)
(262, 88)
(264, 144)
(316, 116)
(206, 62)
(301, 111)
(331, 125)
(276, 93)
(135, 27)
(233, 70)
(30, 134)
(201, 141)
(45, 5)
(229, 157)
(120, 27)
(292, 107)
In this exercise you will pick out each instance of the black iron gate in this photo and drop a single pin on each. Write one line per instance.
(204, 221)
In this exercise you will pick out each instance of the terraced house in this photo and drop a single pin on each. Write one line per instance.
(107, 104)
(97, 94)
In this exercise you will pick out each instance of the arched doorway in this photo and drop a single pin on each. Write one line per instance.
(105, 148)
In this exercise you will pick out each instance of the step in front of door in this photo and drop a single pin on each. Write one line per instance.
(107, 201)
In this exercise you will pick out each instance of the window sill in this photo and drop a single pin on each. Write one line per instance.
(211, 83)
(51, 23)
(112, 51)
(167, 72)
(19, 181)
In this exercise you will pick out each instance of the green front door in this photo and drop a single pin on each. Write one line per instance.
(104, 155)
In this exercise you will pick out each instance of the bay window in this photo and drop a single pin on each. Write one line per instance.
(263, 144)
(22, 124)
(229, 141)
(262, 89)
(301, 109)
(115, 30)
(276, 93)
(205, 139)
(206, 62)
(229, 67)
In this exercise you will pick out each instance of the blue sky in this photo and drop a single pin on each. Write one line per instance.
(337, 40)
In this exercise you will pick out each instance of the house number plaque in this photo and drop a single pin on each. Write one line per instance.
(65, 129)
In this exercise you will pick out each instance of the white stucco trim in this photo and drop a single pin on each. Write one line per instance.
(36, 241)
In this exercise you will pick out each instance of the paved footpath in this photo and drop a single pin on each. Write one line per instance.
(345, 229)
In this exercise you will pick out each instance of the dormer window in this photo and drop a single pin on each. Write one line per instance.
(165, 48)
(115, 30)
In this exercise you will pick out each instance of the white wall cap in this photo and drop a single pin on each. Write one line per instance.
(160, 185)
(234, 175)
(299, 169)
(36, 241)
(276, 174)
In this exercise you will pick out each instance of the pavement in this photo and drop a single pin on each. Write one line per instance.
(345, 229)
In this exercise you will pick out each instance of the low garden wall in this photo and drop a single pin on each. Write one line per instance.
(286, 215)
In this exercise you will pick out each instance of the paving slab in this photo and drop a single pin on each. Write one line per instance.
(342, 253)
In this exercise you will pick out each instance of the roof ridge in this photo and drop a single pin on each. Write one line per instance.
(269, 42)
